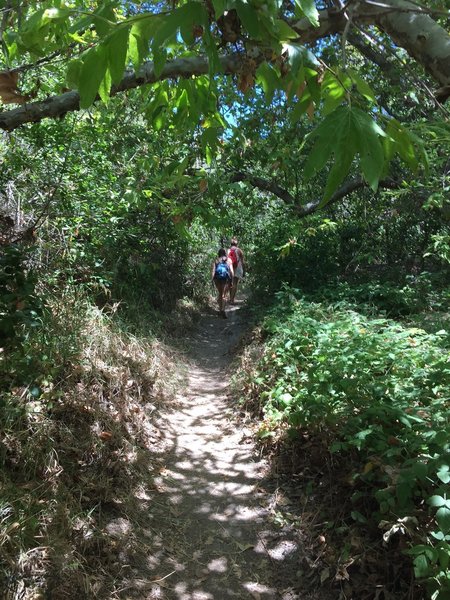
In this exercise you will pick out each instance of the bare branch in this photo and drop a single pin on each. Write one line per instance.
(301, 211)
(265, 185)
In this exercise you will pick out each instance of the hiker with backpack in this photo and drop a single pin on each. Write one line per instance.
(236, 256)
(222, 275)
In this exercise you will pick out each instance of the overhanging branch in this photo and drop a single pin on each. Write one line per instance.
(57, 106)
(409, 26)
(267, 185)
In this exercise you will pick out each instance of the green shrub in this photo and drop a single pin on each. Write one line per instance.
(373, 388)
(405, 296)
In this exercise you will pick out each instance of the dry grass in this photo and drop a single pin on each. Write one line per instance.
(78, 461)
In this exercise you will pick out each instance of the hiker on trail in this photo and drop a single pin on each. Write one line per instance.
(222, 275)
(236, 256)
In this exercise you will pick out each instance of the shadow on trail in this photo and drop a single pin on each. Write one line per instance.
(209, 531)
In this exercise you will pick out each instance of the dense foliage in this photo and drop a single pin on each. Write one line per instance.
(377, 393)
(145, 135)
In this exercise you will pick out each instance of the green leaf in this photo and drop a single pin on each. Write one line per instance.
(269, 79)
(219, 7)
(215, 65)
(117, 46)
(139, 39)
(55, 14)
(444, 473)
(159, 60)
(443, 519)
(369, 147)
(249, 19)
(298, 56)
(92, 73)
(333, 92)
(285, 32)
(308, 8)
(421, 569)
(358, 517)
(188, 15)
(437, 501)
(362, 86)
(105, 87)
(327, 134)
(104, 19)
(400, 141)
(345, 132)
(343, 161)
(73, 73)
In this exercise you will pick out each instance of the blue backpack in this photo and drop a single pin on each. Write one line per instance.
(222, 271)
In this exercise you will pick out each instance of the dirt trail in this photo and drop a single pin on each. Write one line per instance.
(210, 517)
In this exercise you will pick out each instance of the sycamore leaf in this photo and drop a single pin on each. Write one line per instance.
(344, 133)
(362, 86)
(9, 92)
(323, 147)
(400, 141)
(345, 152)
(92, 73)
(308, 8)
(268, 78)
(333, 91)
(249, 19)
(298, 56)
(285, 32)
(369, 146)
(117, 46)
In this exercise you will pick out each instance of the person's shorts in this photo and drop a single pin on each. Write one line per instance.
(239, 272)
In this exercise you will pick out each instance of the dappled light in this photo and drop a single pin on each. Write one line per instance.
(208, 529)
(224, 300)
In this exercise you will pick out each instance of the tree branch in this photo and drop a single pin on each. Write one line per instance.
(264, 185)
(301, 211)
(58, 106)
(409, 26)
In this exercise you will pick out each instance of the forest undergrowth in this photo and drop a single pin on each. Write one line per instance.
(79, 446)
(353, 408)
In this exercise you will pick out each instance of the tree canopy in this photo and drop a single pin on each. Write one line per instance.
(195, 60)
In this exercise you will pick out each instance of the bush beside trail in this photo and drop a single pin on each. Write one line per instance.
(373, 394)
(79, 448)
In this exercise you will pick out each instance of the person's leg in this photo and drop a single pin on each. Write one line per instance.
(227, 291)
(220, 285)
(233, 290)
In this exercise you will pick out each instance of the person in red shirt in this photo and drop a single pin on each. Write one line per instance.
(236, 256)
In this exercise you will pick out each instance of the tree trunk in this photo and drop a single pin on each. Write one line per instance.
(426, 41)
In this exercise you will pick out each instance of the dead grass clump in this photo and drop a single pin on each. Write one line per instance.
(78, 459)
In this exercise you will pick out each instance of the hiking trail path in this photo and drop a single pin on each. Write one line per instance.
(211, 525)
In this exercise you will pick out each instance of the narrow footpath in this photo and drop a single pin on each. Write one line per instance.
(211, 518)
